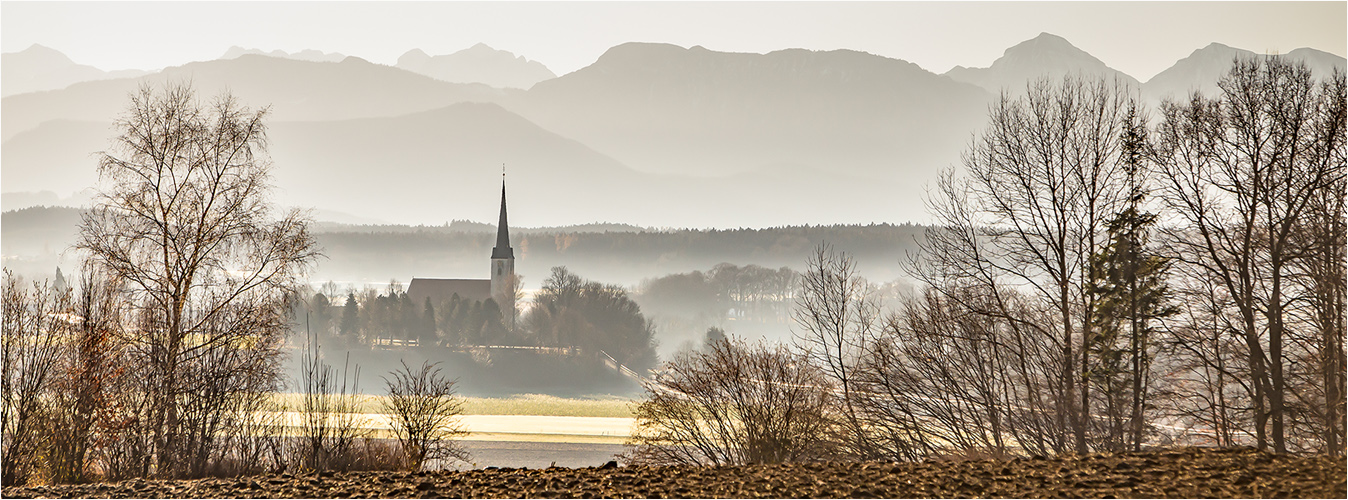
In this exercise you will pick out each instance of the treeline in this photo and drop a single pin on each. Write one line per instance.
(606, 252)
(613, 257)
(568, 312)
(1096, 281)
(369, 317)
(751, 293)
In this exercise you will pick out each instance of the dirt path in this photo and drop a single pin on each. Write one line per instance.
(1176, 473)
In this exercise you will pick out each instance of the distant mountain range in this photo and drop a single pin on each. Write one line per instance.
(478, 64)
(1053, 56)
(303, 55)
(671, 110)
(294, 90)
(39, 68)
(650, 134)
(1046, 55)
(1201, 70)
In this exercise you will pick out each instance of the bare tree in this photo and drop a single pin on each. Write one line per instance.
(838, 316)
(1239, 174)
(734, 404)
(943, 380)
(35, 328)
(425, 411)
(1323, 233)
(1042, 181)
(83, 396)
(185, 224)
(329, 432)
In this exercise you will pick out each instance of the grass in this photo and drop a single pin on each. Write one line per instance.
(522, 404)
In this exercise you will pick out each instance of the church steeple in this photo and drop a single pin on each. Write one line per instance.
(503, 250)
(504, 283)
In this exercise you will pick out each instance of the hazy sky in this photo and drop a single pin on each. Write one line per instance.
(1138, 38)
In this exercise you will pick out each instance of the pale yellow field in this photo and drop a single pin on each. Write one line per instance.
(525, 417)
(524, 404)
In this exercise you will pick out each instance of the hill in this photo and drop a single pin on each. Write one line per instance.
(57, 155)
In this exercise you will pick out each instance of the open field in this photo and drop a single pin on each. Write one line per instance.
(528, 418)
(1165, 473)
(522, 404)
(533, 428)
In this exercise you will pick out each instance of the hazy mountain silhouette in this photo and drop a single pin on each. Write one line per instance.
(650, 134)
(1045, 55)
(666, 109)
(295, 90)
(56, 156)
(14, 200)
(303, 55)
(478, 64)
(444, 164)
(1201, 70)
(38, 68)
(1322, 63)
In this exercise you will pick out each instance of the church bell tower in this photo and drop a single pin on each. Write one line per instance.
(503, 265)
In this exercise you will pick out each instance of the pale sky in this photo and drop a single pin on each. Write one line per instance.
(1138, 38)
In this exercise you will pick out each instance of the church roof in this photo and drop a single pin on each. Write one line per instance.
(503, 250)
(440, 290)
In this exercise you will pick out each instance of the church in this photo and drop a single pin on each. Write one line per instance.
(500, 286)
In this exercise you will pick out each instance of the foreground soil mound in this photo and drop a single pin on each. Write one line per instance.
(1184, 473)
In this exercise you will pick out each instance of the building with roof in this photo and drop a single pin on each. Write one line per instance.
(500, 286)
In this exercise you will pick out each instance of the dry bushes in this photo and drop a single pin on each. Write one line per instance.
(424, 410)
(735, 404)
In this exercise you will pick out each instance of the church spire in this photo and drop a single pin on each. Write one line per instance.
(503, 250)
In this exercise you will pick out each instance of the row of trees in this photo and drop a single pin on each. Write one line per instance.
(1097, 280)
(567, 312)
(750, 292)
(369, 317)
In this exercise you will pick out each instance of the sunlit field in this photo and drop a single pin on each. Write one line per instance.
(525, 417)
(522, 404)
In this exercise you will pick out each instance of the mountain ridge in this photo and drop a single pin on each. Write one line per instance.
(1044, 56)
(477, 64)
(293, 89)
(301, 55)
(41, 68)
(793, 135)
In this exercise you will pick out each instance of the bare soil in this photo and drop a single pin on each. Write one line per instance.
(1171, 473)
